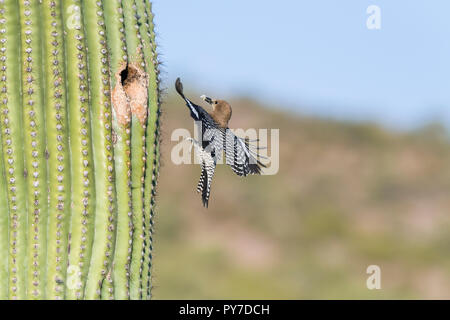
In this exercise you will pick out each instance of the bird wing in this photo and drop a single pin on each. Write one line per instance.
(197, 112)
(212, 139)
(242, 160)
(211, 134)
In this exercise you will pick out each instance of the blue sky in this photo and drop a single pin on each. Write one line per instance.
(317, 57)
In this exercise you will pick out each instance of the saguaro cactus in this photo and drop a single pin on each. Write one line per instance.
(79, 152)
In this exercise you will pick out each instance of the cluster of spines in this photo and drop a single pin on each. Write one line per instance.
(4, 208)
(57, 145)
(12, 137)
(108, 287)
(116, 39)
(4, 229)
(117, 58)
(138, 149)
(34, 140)
(153, 142)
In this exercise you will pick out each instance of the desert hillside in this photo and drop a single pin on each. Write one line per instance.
(346, 196)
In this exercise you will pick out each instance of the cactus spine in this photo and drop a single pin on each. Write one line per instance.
(152, 141)
(79, 120)
(57, 148)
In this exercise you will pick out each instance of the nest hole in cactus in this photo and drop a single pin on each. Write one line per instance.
(131, 93)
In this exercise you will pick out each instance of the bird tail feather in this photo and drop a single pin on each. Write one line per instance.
(179, 88)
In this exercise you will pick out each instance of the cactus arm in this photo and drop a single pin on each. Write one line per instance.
(34, 146)
(12, 140)
(57, 146)
(115, 35)
(147, 32)
(102, 148)
(82, 184)
(138, 105)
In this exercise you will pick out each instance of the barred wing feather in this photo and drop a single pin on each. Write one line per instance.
(239, 156)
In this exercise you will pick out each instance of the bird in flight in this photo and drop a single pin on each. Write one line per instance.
(216, 138)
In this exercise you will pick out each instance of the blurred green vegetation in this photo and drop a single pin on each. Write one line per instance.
(346, 196)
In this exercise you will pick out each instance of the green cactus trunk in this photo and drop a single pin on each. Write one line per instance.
(79, 152)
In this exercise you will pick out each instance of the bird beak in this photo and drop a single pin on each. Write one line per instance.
(207, 99)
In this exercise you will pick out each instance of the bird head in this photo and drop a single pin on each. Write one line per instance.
(217, 104)
(221, 110)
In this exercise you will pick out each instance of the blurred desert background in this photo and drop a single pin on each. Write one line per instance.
(346, 196)
(364, 121)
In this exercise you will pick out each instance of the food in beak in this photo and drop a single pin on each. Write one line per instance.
(207, 99)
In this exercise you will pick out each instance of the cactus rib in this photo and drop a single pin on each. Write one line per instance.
(82, 184)
(12, 137)
(152, 136)
(115, 35)
(102, 148)
(34, 146)
(137, 92)
(4, 228)
(57, 146)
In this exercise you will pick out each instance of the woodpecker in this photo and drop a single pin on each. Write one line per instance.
(216, 138)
